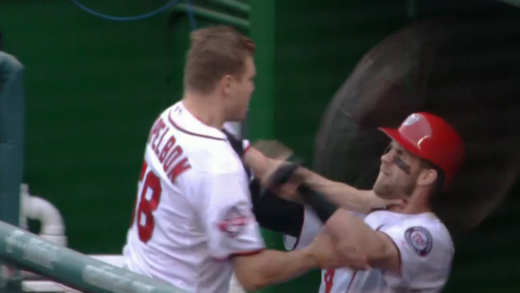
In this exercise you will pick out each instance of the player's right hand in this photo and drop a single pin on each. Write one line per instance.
(288, 191)
(279, 177)
(377, 202)
(329, 256)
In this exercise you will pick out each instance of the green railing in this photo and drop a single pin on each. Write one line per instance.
(71, 268)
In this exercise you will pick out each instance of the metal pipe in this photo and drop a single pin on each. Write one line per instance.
(12, 124)
(36, 208)
(71, 268)
(12, 111)
(213, 15)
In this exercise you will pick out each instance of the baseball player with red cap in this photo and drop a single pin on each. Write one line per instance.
(407, 246)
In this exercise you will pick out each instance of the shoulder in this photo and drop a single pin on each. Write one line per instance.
(428, 221)
(207, 154)
(213, 163)
(421, 234)
(421, 229)
(214, 158)
(425, 249)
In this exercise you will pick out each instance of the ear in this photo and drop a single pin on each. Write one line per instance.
(226, 84)
(427, 177)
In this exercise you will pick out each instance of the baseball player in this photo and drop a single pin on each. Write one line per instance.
(408, 248)
(193, 224)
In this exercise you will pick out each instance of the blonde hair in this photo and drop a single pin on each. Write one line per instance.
(214, 53)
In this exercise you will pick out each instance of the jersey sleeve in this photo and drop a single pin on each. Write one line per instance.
(426, 252)
(225, 209)
(310, 228)
(246, 145)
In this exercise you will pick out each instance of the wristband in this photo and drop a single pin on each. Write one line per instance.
(323, 208)
(282, 175)
(284, 172)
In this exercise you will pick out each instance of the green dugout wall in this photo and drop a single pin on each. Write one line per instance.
(94, 86)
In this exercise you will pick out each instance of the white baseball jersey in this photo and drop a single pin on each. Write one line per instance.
(424, 245)
(193, 208)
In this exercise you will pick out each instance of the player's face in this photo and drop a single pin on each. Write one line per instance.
(398, 173)
(240, 92)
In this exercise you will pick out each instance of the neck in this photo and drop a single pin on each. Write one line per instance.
(205, 108)
(417, 203)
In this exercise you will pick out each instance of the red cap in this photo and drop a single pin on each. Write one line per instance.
(433, 139)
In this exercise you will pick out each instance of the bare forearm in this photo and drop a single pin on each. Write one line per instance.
(339, 193)
(261, 165)
(270, 267)
(350, 231)
(343, 225)
(280, 266)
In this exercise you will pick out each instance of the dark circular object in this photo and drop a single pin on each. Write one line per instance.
(464, 70)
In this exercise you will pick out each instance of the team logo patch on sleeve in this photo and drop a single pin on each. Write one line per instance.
(233, 222)
(420, 239)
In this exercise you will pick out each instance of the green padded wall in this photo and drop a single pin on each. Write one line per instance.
(93, 89)
(317, 45)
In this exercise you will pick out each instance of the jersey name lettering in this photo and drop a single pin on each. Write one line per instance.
(169, 153)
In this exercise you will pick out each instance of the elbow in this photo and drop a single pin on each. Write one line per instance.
(385, 254)
(252, 286)
(382, 253)
(250, 273)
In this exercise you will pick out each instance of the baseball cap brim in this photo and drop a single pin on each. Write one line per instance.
(405, 143)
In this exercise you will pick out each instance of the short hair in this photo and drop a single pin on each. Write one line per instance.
(215, 52)
(438, 187)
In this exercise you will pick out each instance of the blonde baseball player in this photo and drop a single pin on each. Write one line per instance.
(193, 222)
